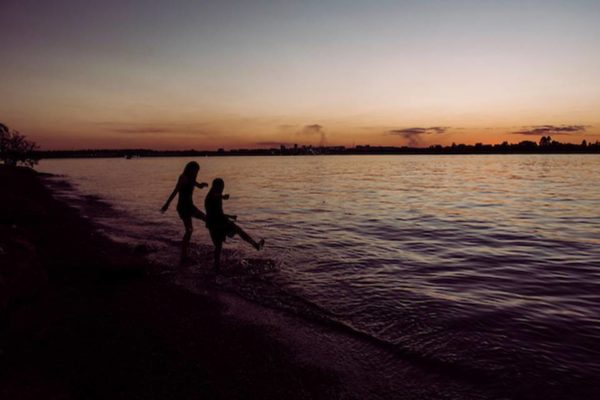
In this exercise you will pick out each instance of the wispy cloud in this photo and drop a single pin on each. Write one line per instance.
(141, 130)
(287, 126)
(537, 130)
(414, 135)
(314, 129)
(311, 129)
(160, 128)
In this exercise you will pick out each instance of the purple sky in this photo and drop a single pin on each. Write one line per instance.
(181, 74)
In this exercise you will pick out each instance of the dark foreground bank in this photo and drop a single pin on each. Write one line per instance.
(83, 318)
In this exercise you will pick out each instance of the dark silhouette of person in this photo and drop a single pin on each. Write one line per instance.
(185, 204)
(221, 225)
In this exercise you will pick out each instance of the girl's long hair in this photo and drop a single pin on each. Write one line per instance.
(191, 169)
(217, 186)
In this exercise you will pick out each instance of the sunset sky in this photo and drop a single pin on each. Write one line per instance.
(208, 74)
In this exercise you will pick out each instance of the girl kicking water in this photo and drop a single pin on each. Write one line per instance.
(221, 225)
(185, 204)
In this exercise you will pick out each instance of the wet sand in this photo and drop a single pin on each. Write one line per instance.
(84, 317)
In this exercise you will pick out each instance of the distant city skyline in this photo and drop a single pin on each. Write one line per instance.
(251, 74)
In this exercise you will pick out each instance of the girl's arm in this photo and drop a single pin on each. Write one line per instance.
(171, 196)
(201, 185)
(228, 216)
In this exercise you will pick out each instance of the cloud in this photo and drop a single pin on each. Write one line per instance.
(314, 129)
(413, 135)
(141, 130)
(537, 130)
(164, 128)
(287, 126)
(311, 129)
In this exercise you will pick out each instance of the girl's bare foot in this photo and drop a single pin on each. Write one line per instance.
(260, 244)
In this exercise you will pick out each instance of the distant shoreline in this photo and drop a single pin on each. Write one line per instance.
(525, 147)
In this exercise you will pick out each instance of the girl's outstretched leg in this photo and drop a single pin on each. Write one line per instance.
(199, 215)
(257, 245)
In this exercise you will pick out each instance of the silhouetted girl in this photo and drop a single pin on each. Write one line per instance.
(185, 204)
(219, 224)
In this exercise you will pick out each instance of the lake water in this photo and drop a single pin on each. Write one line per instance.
(488, 264)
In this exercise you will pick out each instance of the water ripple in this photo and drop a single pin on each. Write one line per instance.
(491, 262)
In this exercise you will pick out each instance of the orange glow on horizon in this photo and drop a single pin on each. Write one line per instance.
(251, 74)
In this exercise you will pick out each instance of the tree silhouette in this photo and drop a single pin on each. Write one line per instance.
(15, 149)
(545, 141)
